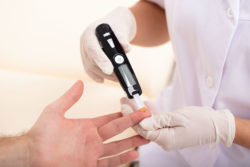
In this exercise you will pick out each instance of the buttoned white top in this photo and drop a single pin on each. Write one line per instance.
(211, 42)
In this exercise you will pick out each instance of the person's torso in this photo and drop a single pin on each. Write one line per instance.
(211, 42)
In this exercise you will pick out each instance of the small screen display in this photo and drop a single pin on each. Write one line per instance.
(126, 74)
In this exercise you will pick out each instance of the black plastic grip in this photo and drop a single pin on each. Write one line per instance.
(111, 47)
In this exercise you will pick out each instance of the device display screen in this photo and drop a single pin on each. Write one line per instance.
(126, 74)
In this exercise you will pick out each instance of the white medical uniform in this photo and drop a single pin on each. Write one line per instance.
(211, 41)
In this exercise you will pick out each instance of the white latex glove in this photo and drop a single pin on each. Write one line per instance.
(95, 62)
(188, 126)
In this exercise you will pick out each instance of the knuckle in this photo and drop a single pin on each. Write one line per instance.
(116, 147)
(120, 160)
(74, 97)
(116, 126)
(133, 142)
(49, 108)
(130, 119)
(135, 117)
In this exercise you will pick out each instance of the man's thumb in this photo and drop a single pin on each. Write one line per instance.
(67, 100)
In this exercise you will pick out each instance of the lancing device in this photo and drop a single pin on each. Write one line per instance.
(122, 68)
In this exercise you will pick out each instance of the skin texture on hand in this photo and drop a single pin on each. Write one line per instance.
(55, 141)
(79, 142)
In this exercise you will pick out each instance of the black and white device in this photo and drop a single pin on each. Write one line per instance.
(122, 68)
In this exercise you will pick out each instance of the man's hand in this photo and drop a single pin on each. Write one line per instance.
(55, 141)
(186, 127)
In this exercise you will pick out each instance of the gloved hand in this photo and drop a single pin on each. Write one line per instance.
(188, 126)
(95, 62)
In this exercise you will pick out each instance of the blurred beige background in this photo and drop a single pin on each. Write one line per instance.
(40, 59)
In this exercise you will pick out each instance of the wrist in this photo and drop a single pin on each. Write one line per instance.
(225, 127)
(15, 151)
(36, 158)
(25, 140)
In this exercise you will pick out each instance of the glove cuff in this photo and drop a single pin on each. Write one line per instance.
(226, 128)
(231, 128)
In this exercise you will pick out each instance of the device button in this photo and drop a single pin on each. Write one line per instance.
(106, 34)
(111, 43)
(230, 13)
(119, 59)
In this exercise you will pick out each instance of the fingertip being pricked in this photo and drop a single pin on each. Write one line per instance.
(138, 116)
(146, 113)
